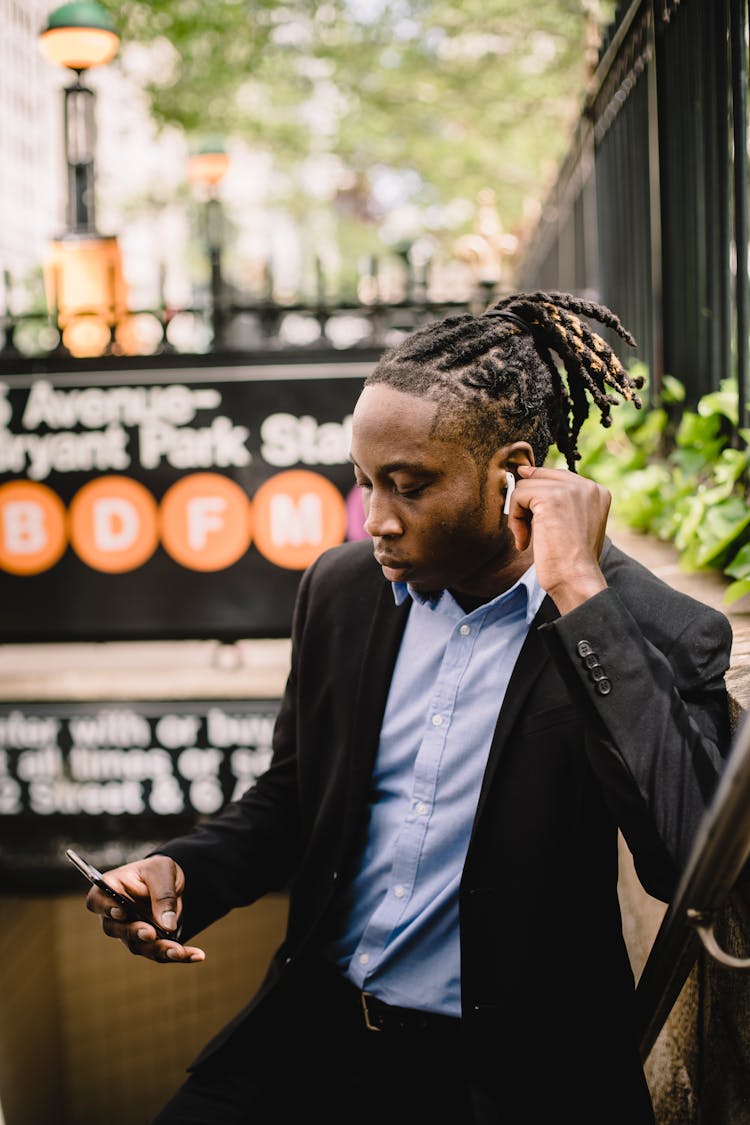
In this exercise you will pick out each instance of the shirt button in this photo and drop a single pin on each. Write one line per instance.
(364, 958)
(465, 630)
(421, 808)
(437, 720)
(399, 891)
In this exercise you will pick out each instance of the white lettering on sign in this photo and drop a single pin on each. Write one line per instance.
(238, 730)
(110, 727)
(293, 524)
(221, 445)
(288, 440)
(115, 524)
(20, 730)
(206, 795)
(10, 797)
(41, 454)
(102, 765)
(62, 796)
(96, 407)
(203, 517)
(174, 731)
(24, 531)
(194, 762)
(115, 761)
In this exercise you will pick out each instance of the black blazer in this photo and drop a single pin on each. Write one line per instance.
(615, 716)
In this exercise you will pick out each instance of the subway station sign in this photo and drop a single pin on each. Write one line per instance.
(114, 780)
(171, 502)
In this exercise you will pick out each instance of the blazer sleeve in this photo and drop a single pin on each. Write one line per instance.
(252, 846)
(650, 688)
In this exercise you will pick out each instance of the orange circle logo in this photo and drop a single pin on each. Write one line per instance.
(113, 524)
(32, 527)
(205, 521)
(298, 514)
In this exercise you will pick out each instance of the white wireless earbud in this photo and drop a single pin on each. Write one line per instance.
(511, 484)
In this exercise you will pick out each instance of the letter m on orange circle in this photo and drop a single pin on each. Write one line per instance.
(297, 516)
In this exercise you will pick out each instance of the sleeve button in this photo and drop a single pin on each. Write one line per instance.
(583, 648)
(604, 687)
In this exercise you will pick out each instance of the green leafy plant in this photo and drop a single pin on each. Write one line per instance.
(675, 473)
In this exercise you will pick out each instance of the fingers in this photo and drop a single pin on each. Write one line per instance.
(565, 516)
(155, 886)
(166, 882)
(141, 940)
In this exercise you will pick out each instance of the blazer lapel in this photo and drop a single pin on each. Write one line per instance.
(529, 666)
(386, 629)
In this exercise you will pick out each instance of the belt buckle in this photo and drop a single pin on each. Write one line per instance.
(368, 1024)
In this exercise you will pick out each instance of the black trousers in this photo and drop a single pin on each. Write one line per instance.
(309, 1056)
(312, 1058)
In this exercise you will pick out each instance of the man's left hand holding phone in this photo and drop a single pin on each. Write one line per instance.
(140, 904)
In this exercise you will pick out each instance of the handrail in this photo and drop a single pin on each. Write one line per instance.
(720, 851)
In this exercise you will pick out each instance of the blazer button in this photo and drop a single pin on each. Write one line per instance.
(604, 686)
(597, 673)
(583, 648)
(591, 660)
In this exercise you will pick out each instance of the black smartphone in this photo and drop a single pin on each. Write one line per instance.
(131, 910)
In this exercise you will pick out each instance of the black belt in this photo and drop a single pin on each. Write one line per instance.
(380, 1016)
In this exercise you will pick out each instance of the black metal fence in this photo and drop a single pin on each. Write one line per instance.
(649, 211)
(252, 327)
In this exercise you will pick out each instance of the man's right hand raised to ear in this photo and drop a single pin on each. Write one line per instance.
(155, 884)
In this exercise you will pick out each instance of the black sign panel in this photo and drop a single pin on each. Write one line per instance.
(113, 780)
(170, 503)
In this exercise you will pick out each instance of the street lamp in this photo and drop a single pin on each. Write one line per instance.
(85, 271)
(207, 167)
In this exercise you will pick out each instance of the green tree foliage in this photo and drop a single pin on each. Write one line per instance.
(457, 96)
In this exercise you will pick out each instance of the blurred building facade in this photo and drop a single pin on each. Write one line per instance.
(31, 179)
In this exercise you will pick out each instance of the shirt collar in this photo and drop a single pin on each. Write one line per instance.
(528, 583)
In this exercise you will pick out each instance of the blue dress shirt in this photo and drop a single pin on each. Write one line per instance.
(399, 933)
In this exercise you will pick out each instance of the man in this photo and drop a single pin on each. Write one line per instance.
(468, 720)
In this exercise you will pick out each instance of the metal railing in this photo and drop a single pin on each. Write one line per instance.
(720, 852)
(649, 213)
(244, 326)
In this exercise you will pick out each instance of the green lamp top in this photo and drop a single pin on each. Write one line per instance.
(207, 146)
(82, 13)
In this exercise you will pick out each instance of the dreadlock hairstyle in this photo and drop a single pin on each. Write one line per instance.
(495, 380)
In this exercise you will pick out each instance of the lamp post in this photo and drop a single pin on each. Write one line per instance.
(207, 167)
(79, 36)
(84, 272)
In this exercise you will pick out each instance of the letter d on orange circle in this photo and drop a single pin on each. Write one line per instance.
(113, 524)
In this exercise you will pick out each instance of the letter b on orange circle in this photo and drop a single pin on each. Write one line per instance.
(33, 527)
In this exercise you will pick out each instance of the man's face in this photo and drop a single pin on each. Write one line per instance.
(435, 520)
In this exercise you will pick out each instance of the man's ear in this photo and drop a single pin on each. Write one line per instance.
(516, 454)
(507, 459)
